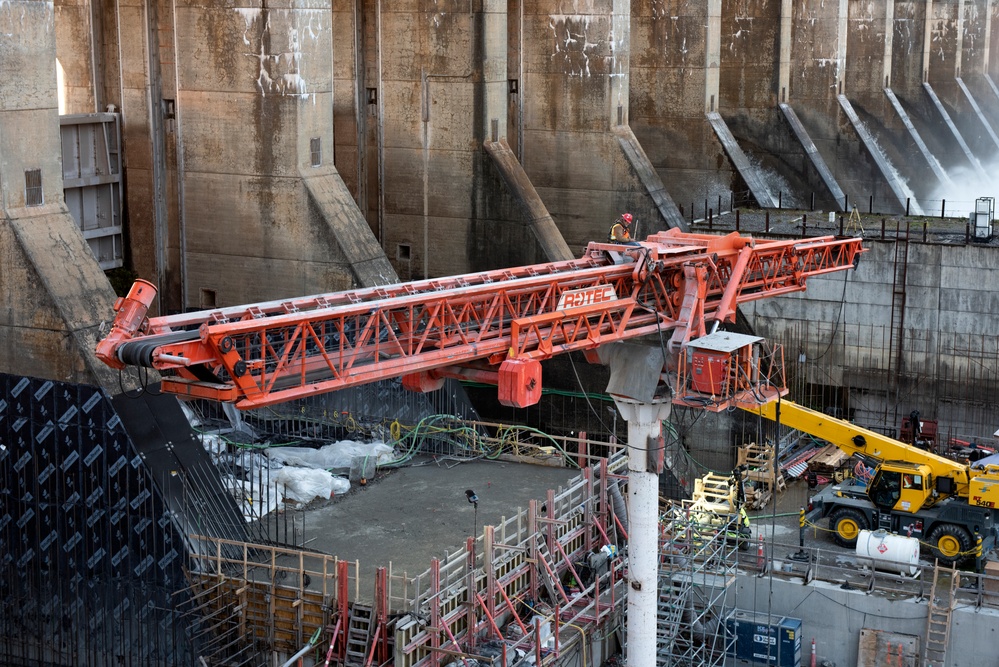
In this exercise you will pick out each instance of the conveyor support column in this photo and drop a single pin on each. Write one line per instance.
(644, 425)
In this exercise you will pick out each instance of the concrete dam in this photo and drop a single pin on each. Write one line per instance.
(238, 153)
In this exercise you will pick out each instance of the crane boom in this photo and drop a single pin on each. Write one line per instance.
(853, 439)
(267, 353)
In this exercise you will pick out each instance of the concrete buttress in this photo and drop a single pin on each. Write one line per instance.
(55, 296)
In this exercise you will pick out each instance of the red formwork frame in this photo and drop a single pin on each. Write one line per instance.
(488, 600)
(475, 325)
(338, 635)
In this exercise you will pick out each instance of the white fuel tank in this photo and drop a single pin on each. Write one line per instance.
(895, 553)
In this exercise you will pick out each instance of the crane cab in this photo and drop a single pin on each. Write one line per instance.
(903, 486)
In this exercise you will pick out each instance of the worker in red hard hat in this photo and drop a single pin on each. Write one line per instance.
(620, 231)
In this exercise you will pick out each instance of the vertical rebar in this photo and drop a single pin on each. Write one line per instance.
(768, 222)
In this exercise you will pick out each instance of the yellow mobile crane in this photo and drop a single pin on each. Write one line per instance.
(945, 504)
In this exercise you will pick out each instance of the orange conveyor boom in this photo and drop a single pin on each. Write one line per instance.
(469, 325)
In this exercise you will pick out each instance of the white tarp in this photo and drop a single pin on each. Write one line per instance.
(306, 484)
(337, 455)
(269, 477)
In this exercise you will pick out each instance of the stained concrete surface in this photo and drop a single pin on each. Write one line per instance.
(407, 516)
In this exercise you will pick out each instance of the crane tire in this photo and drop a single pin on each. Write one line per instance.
(950, 543)
(846, 524)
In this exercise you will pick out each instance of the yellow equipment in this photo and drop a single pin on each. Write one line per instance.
(913, 492)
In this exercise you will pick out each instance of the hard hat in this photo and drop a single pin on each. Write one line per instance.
(626, 217)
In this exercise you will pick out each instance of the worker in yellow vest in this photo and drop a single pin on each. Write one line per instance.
(620, 233)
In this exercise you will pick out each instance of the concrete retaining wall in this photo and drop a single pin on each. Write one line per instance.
(834, 618)
(937, 355)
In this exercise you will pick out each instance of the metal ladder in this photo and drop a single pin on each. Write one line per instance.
(945, 583)
(548, 572)
(358, 635)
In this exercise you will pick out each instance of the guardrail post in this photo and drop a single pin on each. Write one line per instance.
(978, 553)
(801, 555)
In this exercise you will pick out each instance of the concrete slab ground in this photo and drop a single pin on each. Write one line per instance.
(407, 516)
(780, 524)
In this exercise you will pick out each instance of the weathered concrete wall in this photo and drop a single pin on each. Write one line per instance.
(444, 209)
(129, 38)
(408, 91)
(349, 112)
(57, 301)
(54, 296)
(74, 56)
(255, 97)
(827, 45)
(938, 355)
(576, 62)
(750, 89)
(907, 72)
(992, 45)
(669, 98)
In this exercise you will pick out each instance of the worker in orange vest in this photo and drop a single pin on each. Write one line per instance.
(619, 232)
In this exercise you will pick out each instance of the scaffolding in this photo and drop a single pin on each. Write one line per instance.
(698, 562)
(533, 588)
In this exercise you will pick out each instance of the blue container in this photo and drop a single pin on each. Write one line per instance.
(765, 640)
